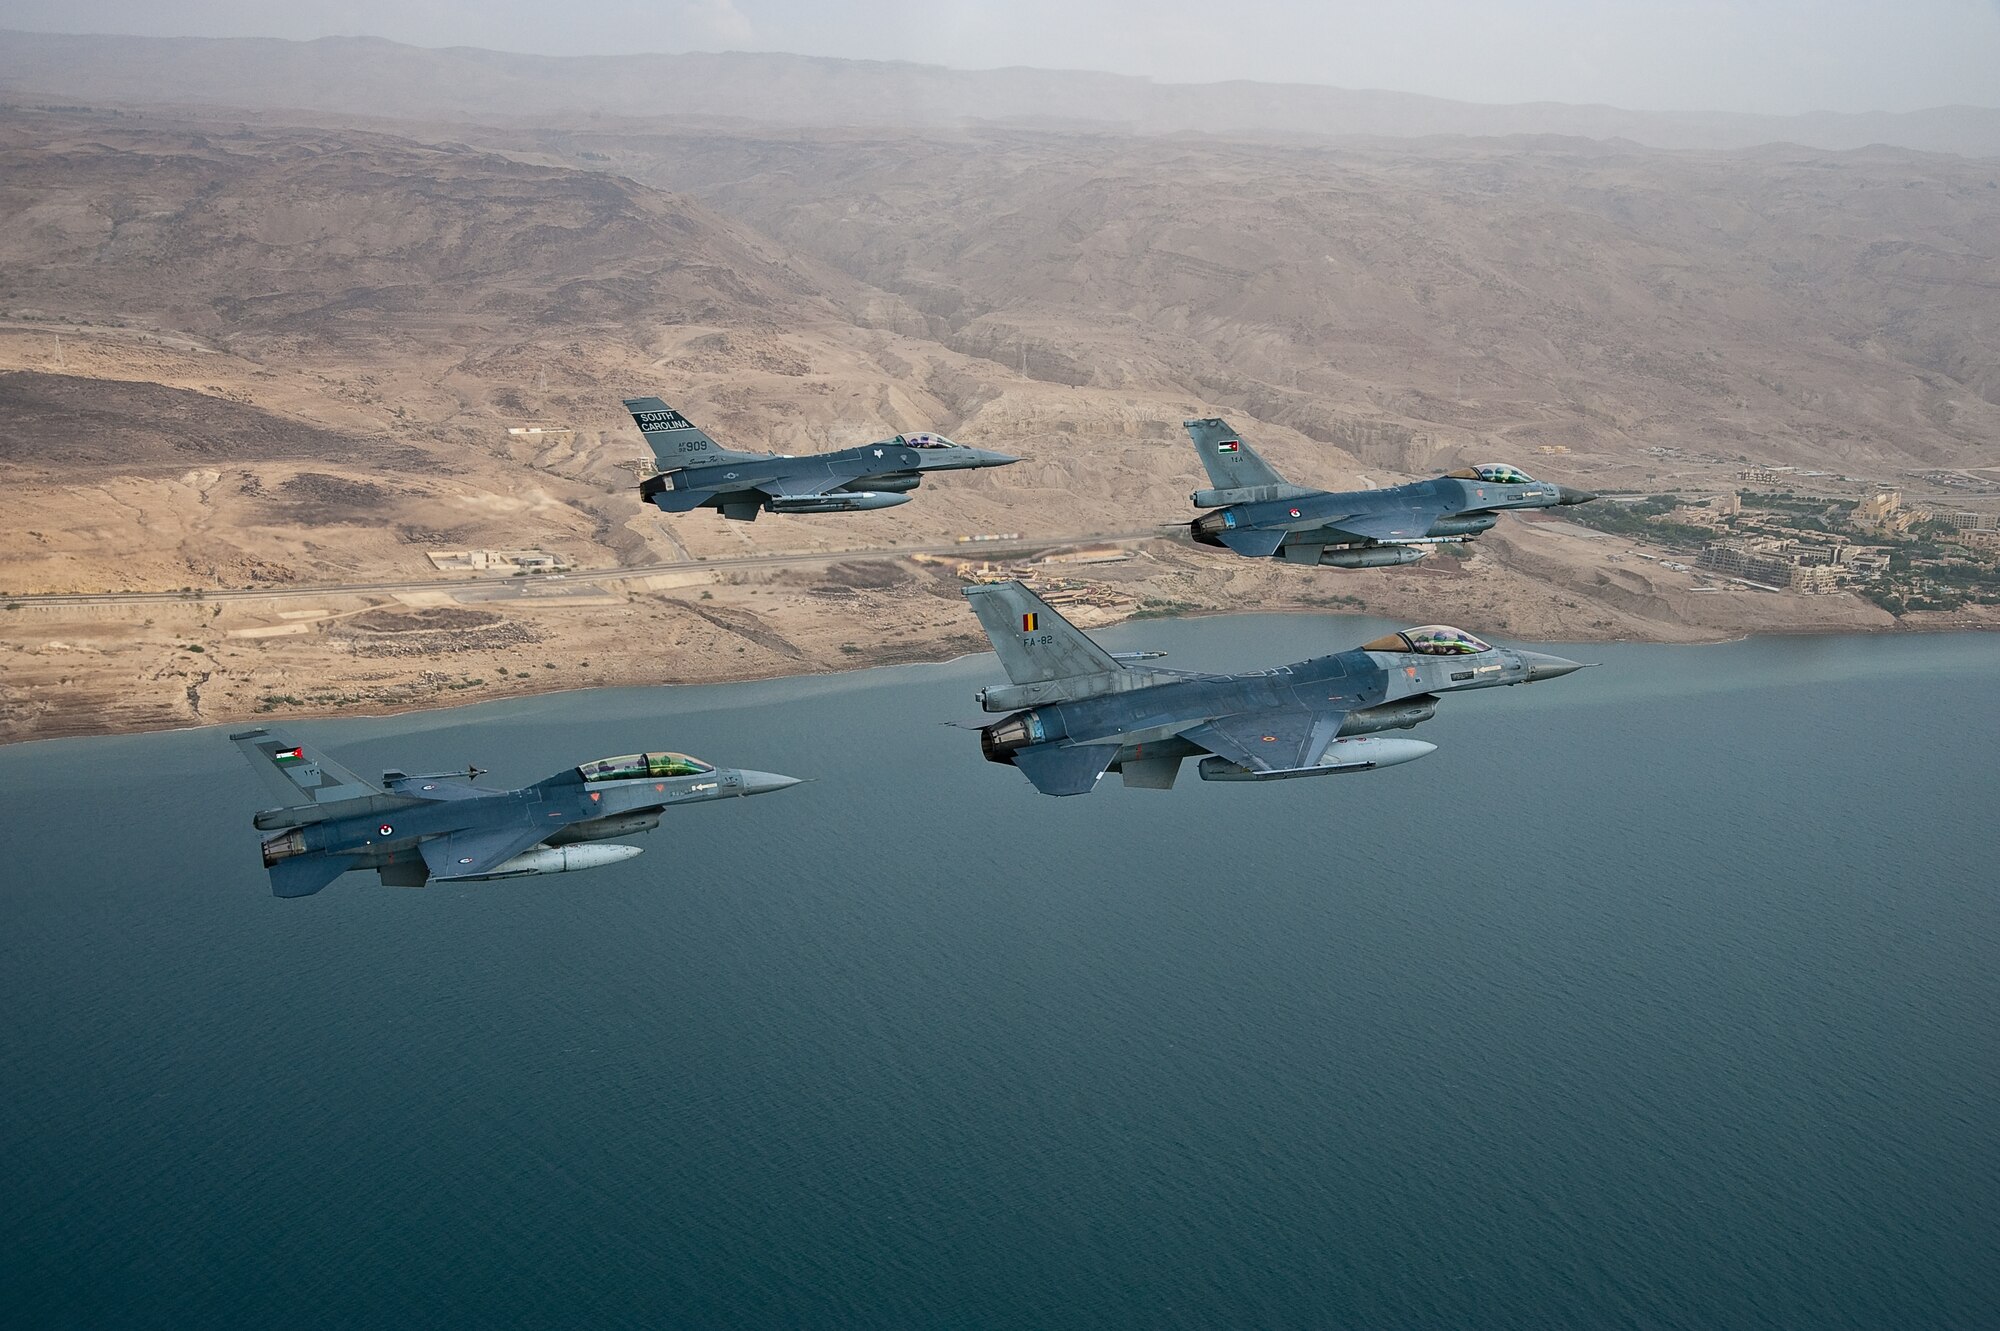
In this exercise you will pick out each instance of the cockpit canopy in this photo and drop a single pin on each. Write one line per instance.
(1493, 473)
(1430, 640)
(638, 766)
(927, 441)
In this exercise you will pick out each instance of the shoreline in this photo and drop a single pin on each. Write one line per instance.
(892, 661)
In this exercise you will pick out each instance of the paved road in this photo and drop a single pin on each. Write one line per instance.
(542, 582)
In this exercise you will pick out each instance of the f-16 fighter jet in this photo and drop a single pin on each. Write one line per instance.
(1086, 712)
(414, 830)
(1258, 514)
(696, 472)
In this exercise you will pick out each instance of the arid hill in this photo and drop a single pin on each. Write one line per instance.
(255, 355)
(237, 231)
(1831, 309)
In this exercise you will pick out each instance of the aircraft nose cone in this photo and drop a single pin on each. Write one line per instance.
(763, 783)
(1566, 496)
(989, 458)
(1542, 666)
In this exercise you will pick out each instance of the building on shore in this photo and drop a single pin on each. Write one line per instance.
(1876, 509)
(1780, 565)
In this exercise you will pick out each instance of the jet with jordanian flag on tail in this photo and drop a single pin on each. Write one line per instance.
(414, 830)
(696, 472)
(1259, 514)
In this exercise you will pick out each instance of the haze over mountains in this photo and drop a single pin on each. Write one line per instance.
(262, 348)
(371, 76)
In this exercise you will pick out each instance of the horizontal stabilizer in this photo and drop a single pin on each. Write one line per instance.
(1064, 769)
(1256, 542)
(303, 875)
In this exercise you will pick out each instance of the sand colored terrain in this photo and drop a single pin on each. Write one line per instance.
(263, 357)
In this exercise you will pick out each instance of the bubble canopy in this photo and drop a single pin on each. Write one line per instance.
(639, 766)
(927, 441)
(1430, 640)
(1493, 473)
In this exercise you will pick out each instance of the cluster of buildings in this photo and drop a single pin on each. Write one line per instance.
(1774, 554)
(497, 561)
(1788, 565)
(1885, 511)
(1046, 578)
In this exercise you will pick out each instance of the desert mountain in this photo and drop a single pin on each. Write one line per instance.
(252, 352)
(370, 76)
(1826, 309)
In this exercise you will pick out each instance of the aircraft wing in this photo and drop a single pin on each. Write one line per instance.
(1405, 522)
(805, 484)
(477, 850)
(1274, 741)
(294, 769)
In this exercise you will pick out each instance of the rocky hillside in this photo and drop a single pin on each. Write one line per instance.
(1832, 309)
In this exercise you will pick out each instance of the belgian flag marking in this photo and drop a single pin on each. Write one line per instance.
(1028, 622)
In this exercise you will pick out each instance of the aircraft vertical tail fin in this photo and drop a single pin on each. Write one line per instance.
(1231, 463)
(293, 769)
(675, 440)
(1033, 642)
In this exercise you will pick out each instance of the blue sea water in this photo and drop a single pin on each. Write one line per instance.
(1663, 995)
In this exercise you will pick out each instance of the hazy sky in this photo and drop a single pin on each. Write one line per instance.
(1737, 55)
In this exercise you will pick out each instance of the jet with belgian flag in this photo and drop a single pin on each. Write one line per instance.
(1077, 711)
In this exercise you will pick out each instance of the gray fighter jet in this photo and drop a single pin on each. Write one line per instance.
(443, 829)
(1258, 514)
(1079, 711)
(696, 472)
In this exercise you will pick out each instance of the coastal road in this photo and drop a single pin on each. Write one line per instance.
(541, 583)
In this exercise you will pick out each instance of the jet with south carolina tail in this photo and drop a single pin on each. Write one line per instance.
(414, 830)
(1077, 711)
(696, 472)
(1259, 514)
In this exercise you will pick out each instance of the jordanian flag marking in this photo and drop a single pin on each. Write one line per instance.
(1228, 446)
(289, 755)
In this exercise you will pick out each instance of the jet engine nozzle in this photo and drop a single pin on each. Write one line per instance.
(1207, 529)
(998, 741)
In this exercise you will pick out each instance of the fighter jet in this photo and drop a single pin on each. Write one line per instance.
(1258, 514)
(1078, 711)
(696, 472)
(414, 830)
